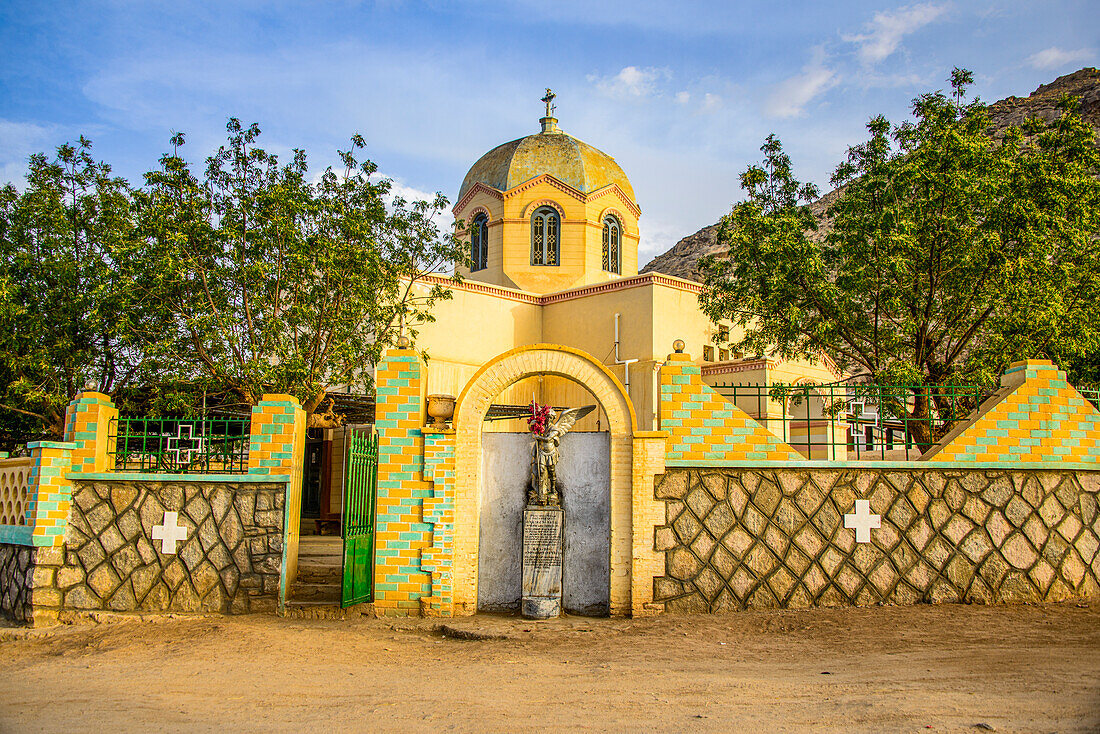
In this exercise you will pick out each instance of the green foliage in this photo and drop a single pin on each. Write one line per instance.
(262, 281)
(947, 254)
(194, 292)
(59, 289)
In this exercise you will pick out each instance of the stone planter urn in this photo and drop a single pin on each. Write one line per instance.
(441, 408)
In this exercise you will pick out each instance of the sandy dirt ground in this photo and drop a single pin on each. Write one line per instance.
(943, 668)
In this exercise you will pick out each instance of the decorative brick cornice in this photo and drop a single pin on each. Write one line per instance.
(613, 189)
(477, 187)
(530, 208)
(634, 281)
(622, 284)
(723, 368)
(475, 211)
(549, 180)
(474, 286)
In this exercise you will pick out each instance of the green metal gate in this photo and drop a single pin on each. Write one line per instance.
(360, 483)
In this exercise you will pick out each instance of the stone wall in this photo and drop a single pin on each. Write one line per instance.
(16, 569)
(230, 562)
(742, 537)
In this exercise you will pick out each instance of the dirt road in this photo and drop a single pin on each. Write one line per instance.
(944, 668)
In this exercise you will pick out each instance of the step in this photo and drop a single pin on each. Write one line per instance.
(326, 610)
(307, 577)
(314, 610)
(311, 541)
(327, 553)
(316, 591)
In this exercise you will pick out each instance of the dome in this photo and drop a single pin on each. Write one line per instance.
(567, 159)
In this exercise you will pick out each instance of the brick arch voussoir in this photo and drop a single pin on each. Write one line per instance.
(510, 368)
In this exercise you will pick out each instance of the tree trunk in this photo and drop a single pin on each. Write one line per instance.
(327, 418)
(917, 424)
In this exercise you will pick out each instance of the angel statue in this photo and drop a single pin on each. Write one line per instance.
(544, 460)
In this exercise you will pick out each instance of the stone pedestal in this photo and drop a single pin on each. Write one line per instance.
(542, 561)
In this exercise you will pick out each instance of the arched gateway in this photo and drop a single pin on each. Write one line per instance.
(479, 393)
(440, 573)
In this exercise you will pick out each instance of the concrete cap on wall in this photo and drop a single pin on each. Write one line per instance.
(279, 398)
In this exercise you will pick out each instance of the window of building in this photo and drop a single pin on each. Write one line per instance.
(545, 235)
(612, 252)
(479, 243)
(723, 355)
(708, 354)
(724, 333)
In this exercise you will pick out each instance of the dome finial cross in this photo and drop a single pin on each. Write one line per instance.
(549, 100)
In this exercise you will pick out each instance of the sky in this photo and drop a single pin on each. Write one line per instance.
(682, 94)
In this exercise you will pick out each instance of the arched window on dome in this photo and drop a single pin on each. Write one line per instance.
(479, 243)
(612, 239)
(545, 236)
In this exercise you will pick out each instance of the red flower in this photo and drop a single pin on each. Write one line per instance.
(539, 422)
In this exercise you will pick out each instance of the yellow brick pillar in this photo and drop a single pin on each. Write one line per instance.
(407, 531)
(88, 424)
(647, 512)
(277, 446)
(49, 491)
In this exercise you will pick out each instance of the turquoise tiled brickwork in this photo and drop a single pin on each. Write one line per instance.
(439, 510)
(1041, 417)
(403, 532)
(702, 425)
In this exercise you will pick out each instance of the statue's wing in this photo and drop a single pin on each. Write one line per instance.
(567, 419)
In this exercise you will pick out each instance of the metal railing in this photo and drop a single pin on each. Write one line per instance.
(844, 421)
(180, 445)
(1091, 394)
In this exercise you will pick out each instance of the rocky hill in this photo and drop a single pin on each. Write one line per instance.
(683, 258)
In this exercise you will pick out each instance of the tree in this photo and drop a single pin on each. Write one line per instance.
(62, 307)
(947, 254)
(262, 281)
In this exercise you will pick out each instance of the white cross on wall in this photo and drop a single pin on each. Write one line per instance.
(170, 532)
(862, 520)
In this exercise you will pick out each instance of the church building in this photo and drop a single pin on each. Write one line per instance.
(552, 224)
(551, 309)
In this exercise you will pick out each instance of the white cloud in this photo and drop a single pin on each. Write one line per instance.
(1054, 57)
(409, 193)
(655, 237)
(18, 140)
(792, 95)
(683, 97)
(710, 102)
(886, 29)
(631, 81)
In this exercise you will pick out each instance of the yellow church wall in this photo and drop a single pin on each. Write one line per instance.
(493, 207)
(680, 319)
(470, 329)
(518, 208)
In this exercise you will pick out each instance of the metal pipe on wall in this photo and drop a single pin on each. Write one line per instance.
(625, 362)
